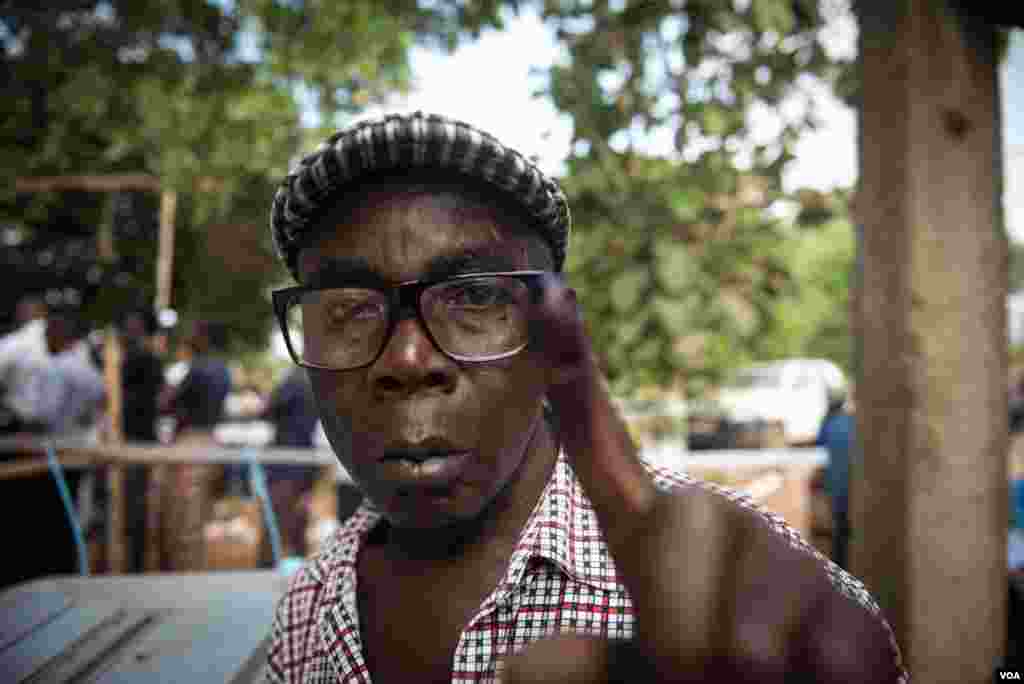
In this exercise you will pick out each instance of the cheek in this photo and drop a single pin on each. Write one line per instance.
(508, 397)
(336, 396)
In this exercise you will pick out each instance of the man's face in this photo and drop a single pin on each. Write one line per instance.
(479, 417)
(134, 328)
(58, 334)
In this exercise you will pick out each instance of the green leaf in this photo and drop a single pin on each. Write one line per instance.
(677, 314)
(675, 267)
(714, 120)
(686, 203)
(627, 289)
(773, 15)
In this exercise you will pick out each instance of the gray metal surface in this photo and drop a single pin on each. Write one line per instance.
(192, 628)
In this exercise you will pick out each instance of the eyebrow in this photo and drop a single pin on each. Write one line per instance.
(345, 269)
(468, 261)
(335, 269)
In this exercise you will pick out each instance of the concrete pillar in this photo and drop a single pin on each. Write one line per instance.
(930, 495)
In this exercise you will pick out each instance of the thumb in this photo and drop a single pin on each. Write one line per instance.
(564, 659)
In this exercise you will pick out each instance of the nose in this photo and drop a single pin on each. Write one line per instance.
(410, 364)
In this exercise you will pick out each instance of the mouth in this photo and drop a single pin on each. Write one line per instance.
(435, 468)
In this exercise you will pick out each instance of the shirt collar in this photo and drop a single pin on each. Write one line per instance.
(562, 531)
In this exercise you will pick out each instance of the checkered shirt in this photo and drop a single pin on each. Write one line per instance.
(561, 578)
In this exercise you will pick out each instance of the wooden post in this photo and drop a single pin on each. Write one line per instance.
(930, 495)
(110, 183)
(165, 259)
(115, 472)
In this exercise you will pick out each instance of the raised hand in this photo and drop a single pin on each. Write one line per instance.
(718, 596)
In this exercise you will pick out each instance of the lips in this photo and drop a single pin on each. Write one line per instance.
(429, 466)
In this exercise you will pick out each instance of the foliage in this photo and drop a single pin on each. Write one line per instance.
(185, 90)
(813, 318)
(1016, 266)
(677, 258)
(680, 263)
(678, 278)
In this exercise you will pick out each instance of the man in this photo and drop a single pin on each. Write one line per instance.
(198, 405)
(78, 391)
(50, 383)
(142, 381)
(142, 376)
(292, 411)
(24, 360)
(29, 308)
(57, 391)
(198, 401)
(506, 503)
(837, 437)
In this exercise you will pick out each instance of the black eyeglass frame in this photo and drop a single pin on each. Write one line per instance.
(401, 298)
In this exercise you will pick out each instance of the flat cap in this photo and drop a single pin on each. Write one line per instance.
(414, 141)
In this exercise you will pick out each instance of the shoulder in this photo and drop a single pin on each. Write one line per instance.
(293, 633)
(675, 480)
(337, 553)
(295, 644)
(848, 590)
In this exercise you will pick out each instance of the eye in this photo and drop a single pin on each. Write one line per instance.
(476, 294)
(348, 307)
(354, 311)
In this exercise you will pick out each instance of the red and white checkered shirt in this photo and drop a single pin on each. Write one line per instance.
(561, 578)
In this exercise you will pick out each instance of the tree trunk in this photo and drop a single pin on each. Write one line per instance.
(930, 491)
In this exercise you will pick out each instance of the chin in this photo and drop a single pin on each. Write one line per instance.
(424, 512)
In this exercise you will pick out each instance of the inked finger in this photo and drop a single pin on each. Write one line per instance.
(556, 324)
(680, 584)
(593, 433)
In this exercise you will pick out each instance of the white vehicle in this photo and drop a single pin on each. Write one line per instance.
(654, 421)
(793, 392)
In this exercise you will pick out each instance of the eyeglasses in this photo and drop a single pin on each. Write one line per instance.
(474, 317)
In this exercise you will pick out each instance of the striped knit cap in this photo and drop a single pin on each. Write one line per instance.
(414, 141)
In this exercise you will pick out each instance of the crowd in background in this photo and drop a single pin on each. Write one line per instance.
(52, 385)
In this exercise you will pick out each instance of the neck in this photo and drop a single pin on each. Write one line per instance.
(497, 528)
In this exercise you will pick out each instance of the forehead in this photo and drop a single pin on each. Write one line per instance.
(405, 235)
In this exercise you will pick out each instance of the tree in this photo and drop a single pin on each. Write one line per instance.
(812, 319)
(195, 88)
(687, 233)
(1016, 266)
(183, 90)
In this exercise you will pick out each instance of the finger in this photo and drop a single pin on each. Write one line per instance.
(593, 434)
(556, 326)
(566, 659)
(680, 580)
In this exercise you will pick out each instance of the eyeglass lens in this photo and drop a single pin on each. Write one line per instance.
(471, 319)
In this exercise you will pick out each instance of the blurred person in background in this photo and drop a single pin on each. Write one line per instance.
(291, 409)
(837, 435)
(23, 362)
(29, 308)
(63, 398)
(197, 404)
(78, 389)
(142, 376)
(49, 382)
(142, 381)
(1016, 401)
